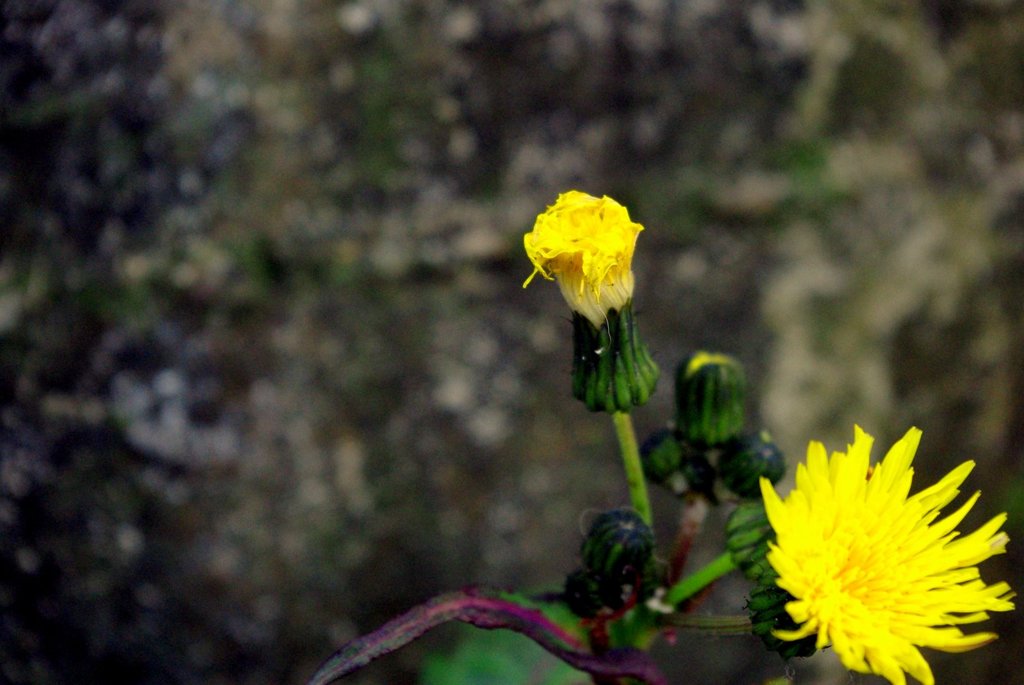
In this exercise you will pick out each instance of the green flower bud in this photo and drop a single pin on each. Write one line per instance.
(661, 456)
(710, 392)
(612, 370)
(747, 534)
(745, 460)
(767, 607)
(616, 591)
(583, 593)
(618, 546)
(697, 472)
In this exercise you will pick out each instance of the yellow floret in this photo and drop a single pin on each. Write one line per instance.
(586, 244)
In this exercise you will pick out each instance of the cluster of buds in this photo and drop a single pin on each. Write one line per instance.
(707, 444)
(586, 244)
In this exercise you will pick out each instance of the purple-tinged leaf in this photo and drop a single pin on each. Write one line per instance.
(488, 609)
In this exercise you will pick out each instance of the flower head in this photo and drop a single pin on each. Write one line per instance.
(874, 572)
(586, 243)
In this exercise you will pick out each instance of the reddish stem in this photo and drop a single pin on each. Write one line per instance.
(694, 511)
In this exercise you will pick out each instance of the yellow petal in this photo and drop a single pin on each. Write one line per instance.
(875, 571)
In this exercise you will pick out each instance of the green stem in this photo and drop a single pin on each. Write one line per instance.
(716, 625)
(697, 581)
(631, 462)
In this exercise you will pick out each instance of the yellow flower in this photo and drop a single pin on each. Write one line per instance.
(871, 569)
(586, 243)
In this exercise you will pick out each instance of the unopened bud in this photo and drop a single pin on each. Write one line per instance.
(661, 455)
(710, 396)
(697, 472)
(748, 459)
(618, 546)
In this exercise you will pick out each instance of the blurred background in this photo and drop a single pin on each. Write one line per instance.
(267, 372)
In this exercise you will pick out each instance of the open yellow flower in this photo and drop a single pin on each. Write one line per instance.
(586, 244)
(871, 569)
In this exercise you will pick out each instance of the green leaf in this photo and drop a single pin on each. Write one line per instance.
(494, 657)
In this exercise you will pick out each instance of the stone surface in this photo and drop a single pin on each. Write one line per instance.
(268, 375)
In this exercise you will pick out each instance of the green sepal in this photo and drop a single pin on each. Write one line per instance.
(612, 369)
(747, 534)
(615, 590)
(767, 607)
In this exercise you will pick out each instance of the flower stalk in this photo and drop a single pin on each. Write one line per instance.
(631, 462)
(695, 509)
(697, 581)
(710, 625)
